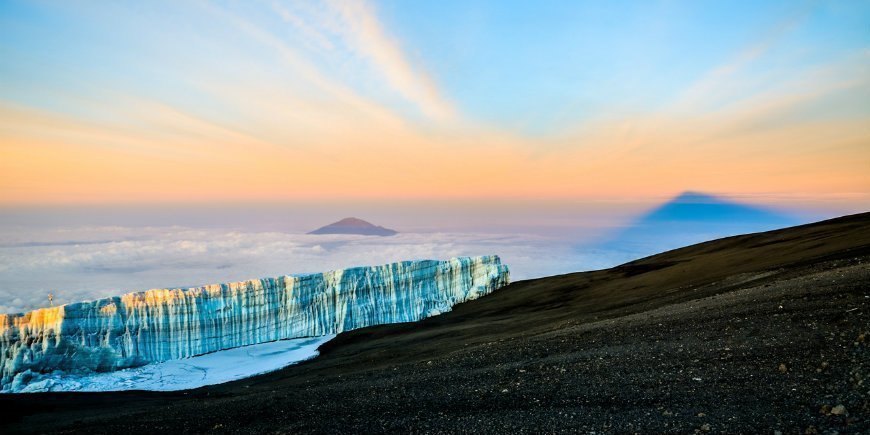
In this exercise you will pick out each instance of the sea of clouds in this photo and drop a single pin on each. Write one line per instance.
(90, 262)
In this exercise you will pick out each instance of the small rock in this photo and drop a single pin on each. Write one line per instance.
(777, 432)
(783, 368)
(826, 409)
(701, 414)
(505, 390)
(811, 430)
(705, 427)
(838, 410)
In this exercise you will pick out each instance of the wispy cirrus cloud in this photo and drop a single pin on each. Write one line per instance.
(302, 66)
(356, 26)
(371, 40)
(725, 80)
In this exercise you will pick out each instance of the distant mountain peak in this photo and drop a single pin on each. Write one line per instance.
(352, 225)
(352, 221)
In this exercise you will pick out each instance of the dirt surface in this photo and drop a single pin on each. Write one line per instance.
(757, 333)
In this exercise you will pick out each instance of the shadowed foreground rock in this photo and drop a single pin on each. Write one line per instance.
(753, 333)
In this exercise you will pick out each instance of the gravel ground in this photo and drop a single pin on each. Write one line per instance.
(754, 334)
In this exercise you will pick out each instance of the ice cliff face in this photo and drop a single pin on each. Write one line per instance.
(164, 324)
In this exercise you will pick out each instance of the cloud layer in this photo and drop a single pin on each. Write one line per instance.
(92, 262)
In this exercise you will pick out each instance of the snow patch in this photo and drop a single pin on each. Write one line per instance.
(181, 374)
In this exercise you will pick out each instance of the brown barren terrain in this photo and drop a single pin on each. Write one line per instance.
(756, 333)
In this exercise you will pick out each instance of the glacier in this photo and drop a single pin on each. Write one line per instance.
(157, 325)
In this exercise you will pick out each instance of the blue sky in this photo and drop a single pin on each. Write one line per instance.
(530, 65)
(552, 99)
(538, 65)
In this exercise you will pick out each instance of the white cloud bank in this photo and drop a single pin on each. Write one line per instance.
(86, 263)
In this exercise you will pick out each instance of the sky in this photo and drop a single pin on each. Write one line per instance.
(178, 143)
(205, 102)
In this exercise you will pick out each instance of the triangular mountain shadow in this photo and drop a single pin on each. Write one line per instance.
(354, 225)
(694, 217)
(702, 207)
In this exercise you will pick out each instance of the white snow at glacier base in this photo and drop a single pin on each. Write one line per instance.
(182, 374)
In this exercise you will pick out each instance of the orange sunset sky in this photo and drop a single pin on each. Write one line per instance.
(334, 101)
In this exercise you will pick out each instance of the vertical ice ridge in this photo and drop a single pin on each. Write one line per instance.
(164, 324)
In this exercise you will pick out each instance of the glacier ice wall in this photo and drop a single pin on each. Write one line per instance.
(164, 324)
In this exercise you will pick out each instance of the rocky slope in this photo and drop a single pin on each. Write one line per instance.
(750, 334)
